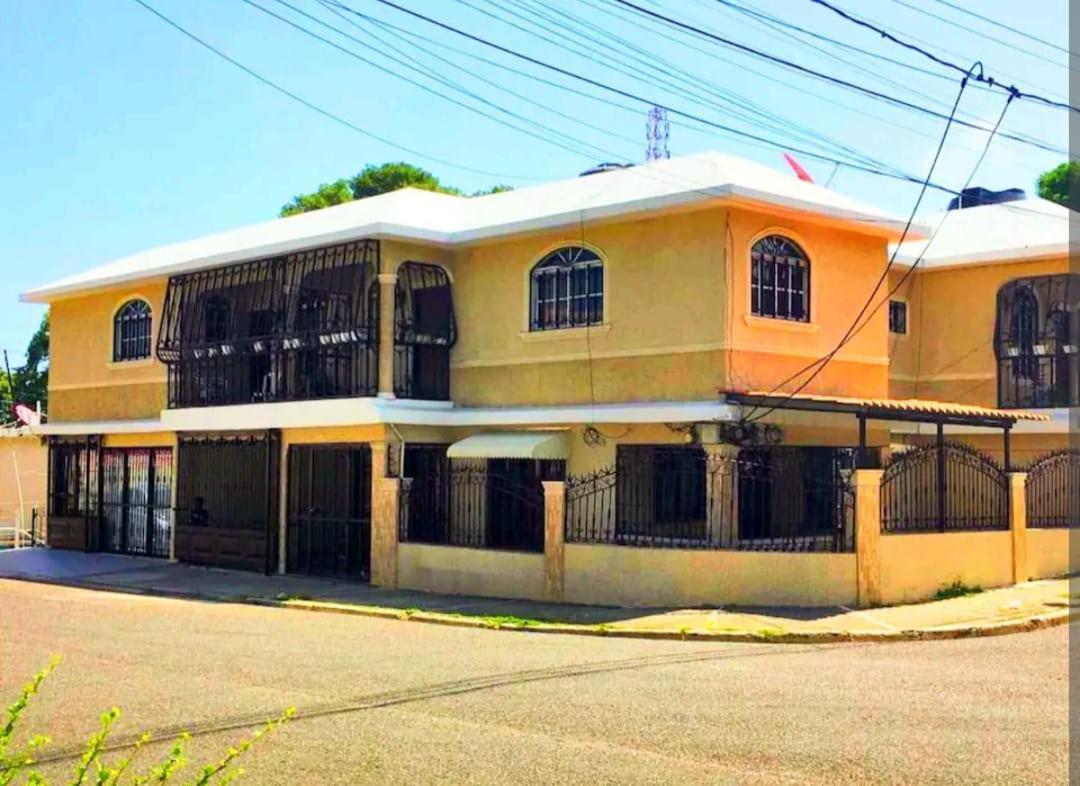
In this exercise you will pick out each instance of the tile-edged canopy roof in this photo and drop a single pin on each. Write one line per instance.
(908, 409)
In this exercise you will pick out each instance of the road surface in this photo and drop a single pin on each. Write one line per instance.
(385, 701)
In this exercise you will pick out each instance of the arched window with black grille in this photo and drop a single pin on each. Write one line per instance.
(779, 279)
(424, 332)
(1035, 342)
(567, 290)
(131, 331)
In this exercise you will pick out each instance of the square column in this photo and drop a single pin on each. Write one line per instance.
(385, 504)
(554, 539)
(1018, 525)
(721, 493)
(387, 289)
(867, 484)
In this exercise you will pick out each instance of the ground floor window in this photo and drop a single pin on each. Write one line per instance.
(73, 470)
(660, 491)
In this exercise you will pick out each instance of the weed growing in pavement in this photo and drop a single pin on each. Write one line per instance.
(93, 769)
(957, 589)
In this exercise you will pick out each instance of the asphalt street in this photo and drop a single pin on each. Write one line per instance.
(383, 701)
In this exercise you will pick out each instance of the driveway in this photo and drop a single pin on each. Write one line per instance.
(386, 702)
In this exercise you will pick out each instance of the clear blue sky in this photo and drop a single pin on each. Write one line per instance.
(120, 134)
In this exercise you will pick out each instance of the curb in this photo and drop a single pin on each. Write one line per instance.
(948, 632)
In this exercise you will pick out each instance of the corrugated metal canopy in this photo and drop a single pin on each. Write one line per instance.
(512, 445)
(887, 408)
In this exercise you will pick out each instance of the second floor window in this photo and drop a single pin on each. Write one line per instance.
(131, 331)
(779, 280)
(567, 290)
(898, 317)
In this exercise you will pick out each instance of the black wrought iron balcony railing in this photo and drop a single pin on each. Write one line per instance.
(289, 328)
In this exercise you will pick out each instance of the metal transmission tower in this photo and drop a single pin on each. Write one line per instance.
(657, 132)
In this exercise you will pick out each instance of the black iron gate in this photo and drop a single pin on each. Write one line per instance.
(329, 511)
(136, 500)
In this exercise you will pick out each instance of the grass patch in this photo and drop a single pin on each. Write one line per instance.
(285, 596)
(507, 621)
(770, 633)
(957, 589)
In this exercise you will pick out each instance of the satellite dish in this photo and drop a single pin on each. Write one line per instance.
(25, 415)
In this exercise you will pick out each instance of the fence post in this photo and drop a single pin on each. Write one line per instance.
(1018, 525)
(554, 539)
(867, 484)
(385, 501)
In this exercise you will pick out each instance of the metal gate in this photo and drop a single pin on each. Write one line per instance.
(136, 500)
(329, 511)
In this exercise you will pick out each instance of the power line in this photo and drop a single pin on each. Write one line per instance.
(995, 23)
(987, 36)
(318, 109)
(856, 328)
(1012, 89)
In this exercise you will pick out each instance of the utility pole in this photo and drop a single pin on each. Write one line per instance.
(657, 134)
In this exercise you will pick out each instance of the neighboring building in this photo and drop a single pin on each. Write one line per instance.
(991, 316)
(255, 398)
(23, 458)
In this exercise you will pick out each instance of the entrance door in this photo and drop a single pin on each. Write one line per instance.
(329, 504)
(136, 501)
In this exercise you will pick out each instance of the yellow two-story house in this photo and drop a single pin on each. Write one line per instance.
(988, 313)
(396, 388)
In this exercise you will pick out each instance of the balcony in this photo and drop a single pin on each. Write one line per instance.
(290, 328)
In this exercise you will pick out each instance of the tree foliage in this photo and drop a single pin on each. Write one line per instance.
(1062, 185)
(372, 180)
(30, 382)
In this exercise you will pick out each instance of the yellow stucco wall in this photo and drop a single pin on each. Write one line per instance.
(460, 571)
(914, 567)
(23, 469)
(84, 383)
(948, 353)
(624, 576)
(1049, 553)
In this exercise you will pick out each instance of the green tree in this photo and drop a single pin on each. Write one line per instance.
(31, 380)
(372, 180)
(382, 178)
(324, 196)
(1062, 185)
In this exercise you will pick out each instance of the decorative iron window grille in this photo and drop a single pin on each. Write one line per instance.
(288, 328)
(567, 290)
(73, 478)
(660, 489)
(131, 331)
(898, 317)
(1037, 343)
(424, 332)
(779, 280)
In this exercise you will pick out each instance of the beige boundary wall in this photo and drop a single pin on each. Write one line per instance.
(885, 569)
(630, 576)
(915, 566)
(1048, 553)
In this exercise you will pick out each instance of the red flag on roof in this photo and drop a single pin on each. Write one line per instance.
(801, 173)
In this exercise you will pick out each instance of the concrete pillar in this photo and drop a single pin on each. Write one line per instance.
(385, 501)
(721, 493)
(867, 484)
(387, 283)
(283, 506)
(554, 539)
(1018, 525)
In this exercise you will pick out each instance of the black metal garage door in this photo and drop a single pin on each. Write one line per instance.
(329, 511)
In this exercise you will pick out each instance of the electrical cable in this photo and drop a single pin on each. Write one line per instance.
(1012, 90)
(320, 110)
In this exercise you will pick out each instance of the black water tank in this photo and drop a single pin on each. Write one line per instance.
(975, 196)
(605, 167)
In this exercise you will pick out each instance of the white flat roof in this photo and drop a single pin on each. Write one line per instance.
(1010, 231)
(425, 216)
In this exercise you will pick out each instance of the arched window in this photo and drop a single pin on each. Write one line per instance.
(1023, 330)
(424, 332)
(567, 290)
(779, 280)
(131, 331)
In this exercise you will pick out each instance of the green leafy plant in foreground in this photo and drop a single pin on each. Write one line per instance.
(957, 589)
(92, 769)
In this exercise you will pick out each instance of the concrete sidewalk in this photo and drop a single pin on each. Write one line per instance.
(1008, 610)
